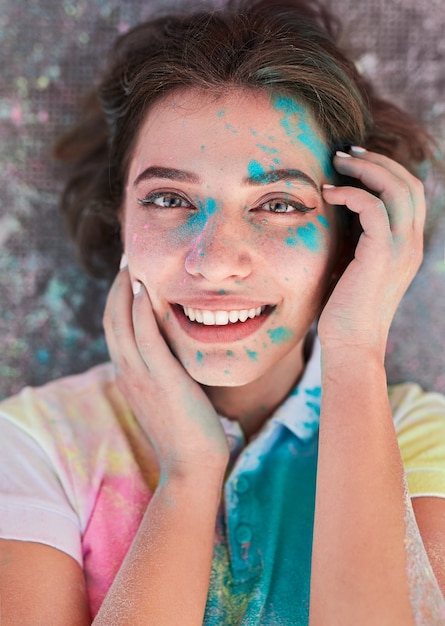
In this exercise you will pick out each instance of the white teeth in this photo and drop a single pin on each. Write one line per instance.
(243, 315)
(233, 316)
(221, 318)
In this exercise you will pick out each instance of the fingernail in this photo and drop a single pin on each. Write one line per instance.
(358, 149)
(137, 287)
(326, 186)
(124, 262)
(343, 155)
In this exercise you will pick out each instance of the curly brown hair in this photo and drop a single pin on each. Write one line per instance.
(286, 47)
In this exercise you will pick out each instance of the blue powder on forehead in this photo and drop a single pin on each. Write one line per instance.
(255, 170)
(298, 128)
(267, 149)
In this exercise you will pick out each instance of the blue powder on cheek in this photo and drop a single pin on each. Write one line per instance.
(199, 357)
(280, 334)
(307, 235)
(324, 222)
(255, 170)
(303, 132)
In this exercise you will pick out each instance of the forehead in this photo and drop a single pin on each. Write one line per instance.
(234, 126)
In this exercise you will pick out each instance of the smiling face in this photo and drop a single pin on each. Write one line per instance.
(224, 224)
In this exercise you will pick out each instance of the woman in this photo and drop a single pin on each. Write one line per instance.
(229, 466)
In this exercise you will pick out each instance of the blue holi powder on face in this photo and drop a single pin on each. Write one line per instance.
(280, 334)
(309, 236)
(221, 113)
(229, 353)
(203, 147)
(199, 357)
(252, 354)
(267, 149)
(233, 130)
(255, 170)
(196, 223)
(315, 392)
(254, 133)
(324, 221)
(209, 208)
(297, 128)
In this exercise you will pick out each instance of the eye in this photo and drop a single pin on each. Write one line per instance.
(279, 205)
(166, 200)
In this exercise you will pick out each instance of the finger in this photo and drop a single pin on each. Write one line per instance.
(416, 186)
(399, 191)
(372, 211)
(151, 344)
(118, 326)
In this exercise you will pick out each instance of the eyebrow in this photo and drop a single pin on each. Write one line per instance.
(169, 173)
(262, 178)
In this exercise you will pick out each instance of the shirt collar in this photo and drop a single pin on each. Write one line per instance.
(300, 412)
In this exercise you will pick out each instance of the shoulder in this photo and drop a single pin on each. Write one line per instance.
(80, 422)
(419, 419)
(73, 399)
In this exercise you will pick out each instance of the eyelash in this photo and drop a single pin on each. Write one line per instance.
(150, 200)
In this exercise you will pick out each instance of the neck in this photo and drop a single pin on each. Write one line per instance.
(252, 404)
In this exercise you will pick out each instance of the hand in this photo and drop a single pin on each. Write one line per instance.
(170, 406)
(388, 254)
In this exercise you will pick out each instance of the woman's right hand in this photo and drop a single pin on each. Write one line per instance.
(170, 406)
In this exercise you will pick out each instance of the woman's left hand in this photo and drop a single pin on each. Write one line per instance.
(388, 254)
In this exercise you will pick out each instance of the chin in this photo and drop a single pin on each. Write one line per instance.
(221, 377)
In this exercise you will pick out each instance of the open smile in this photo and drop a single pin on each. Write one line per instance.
(221, 326)
(221, 318)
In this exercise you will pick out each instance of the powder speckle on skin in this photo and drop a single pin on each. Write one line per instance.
(199, 357)
(324, 221)
(280, 334)
(298, 128)
(255, 170)
(252, 354)
(307, 235)
(267, 149)
(229, 353)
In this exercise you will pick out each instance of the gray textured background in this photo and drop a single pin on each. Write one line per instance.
(50, 312)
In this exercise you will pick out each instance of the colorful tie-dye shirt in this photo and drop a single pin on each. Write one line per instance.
(77, 473)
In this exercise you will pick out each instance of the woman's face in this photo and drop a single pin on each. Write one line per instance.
(223, 220)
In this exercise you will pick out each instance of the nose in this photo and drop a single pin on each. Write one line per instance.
(219, 252)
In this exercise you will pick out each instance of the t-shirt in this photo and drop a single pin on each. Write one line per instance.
(77, 473)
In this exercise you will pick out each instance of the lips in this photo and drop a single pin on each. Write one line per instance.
(220, 326)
